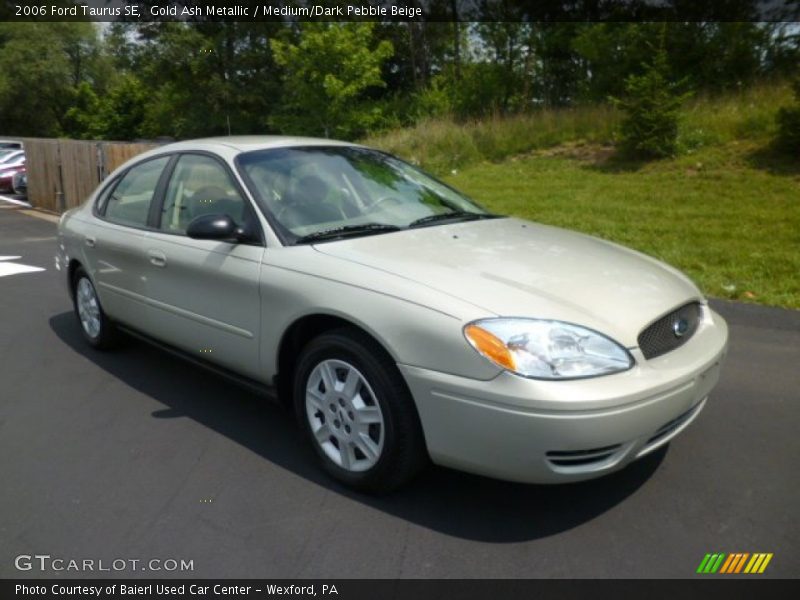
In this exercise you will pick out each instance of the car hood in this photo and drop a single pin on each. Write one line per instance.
(511, 267)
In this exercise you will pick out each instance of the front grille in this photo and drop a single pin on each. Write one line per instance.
(670, 331)
(580, 458)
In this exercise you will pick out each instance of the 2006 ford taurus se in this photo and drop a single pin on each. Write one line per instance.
(400, 319)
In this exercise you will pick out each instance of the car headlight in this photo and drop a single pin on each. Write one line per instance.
(544, 349)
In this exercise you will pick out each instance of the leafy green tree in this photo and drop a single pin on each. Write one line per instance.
(81, 119)
(37, 75)
(651, 105)
(326, 73)
(422, 49)
(47, 69)
(122, 109)
(118, 115)
(203, 78)
(609, 53)
(505, 75)
(558, 71)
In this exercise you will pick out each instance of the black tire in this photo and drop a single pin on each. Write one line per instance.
(107, 336)
(403, 452)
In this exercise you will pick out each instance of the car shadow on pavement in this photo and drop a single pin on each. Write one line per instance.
(447, 501)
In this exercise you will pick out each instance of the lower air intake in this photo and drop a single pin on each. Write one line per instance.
(581, 458)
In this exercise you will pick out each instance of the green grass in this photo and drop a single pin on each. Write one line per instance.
(442, 145)
(745, 115)
(727, 215)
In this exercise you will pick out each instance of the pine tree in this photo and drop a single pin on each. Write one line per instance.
(651, 104)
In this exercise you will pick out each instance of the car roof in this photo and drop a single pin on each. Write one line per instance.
(230, 146)
(246, 143)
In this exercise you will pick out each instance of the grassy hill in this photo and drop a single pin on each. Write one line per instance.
(726, 210)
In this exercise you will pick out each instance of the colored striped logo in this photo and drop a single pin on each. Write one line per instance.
(741, 562)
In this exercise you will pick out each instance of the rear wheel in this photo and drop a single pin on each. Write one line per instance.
(97, 329)
(357, 413)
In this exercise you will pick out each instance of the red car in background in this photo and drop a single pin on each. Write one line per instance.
(11, 163)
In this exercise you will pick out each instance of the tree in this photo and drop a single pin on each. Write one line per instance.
(504, 45)
(81, 119)
(202, 78)
(651, 104)
(39, 64)
(610, 52)
(558, 70)
(326, 73)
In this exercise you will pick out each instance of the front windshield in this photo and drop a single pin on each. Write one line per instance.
(316, 189)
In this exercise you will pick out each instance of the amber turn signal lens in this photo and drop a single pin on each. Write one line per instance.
(491, 346)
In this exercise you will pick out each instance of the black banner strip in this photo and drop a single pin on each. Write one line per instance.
(403, 10)
(731, 588)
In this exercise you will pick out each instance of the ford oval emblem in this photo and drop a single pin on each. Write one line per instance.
(680, 327)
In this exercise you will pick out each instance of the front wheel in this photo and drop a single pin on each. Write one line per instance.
(97, 329)
(357, 412)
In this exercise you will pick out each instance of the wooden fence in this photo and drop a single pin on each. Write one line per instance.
(63, 173)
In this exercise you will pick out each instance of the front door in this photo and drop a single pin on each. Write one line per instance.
(203, 295)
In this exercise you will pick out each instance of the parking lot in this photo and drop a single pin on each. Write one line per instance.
(138, 455)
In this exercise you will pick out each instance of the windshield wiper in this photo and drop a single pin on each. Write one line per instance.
(346, 231)
(451, 216)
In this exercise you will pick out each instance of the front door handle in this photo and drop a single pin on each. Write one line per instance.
(90, 241)
(157, 258)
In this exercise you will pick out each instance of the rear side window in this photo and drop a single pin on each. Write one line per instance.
(129, 202)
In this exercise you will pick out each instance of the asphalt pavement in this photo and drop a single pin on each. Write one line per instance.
(137, 455)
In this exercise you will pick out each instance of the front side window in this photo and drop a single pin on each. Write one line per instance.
(129, 202)
(200, 185)
(313, 190)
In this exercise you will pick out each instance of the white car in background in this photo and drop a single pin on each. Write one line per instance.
(399, 319)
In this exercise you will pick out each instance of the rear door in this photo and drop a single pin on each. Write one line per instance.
(203, 295)
(112, 243)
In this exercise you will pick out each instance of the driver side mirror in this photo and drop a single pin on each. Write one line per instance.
(215, 227)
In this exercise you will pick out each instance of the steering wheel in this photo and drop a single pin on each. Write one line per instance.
(375, 205)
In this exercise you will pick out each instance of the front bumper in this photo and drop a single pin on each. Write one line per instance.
(538, 431)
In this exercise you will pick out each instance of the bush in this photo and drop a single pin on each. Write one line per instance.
(789, 123)
(651, 105)
(435, 100)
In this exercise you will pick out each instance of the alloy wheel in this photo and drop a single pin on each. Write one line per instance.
(345, 417)
(88, 307)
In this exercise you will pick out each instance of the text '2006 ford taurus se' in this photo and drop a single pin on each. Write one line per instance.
(402, 321)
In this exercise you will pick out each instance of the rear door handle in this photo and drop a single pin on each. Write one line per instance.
(157, 258)
(90, 241)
